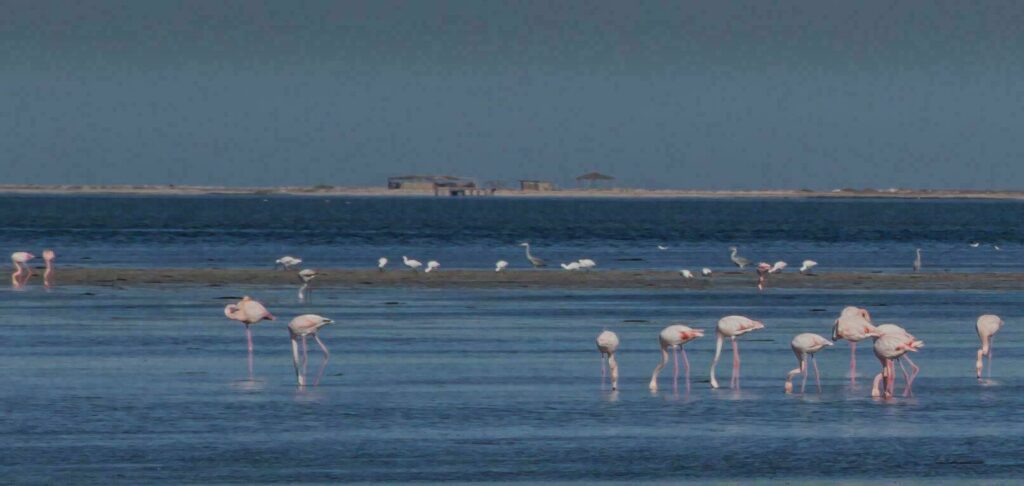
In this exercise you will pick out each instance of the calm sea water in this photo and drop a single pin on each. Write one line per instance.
(476, 232)
(150, 384)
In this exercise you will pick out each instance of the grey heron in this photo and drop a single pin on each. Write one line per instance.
(738, 260)
(537, 262)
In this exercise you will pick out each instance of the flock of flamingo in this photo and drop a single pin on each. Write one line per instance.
(891, 343)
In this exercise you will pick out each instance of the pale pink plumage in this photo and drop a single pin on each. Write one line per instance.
(853, 325)
(303, 326)
(732, 327)
(674, 337)
(607, 344)
(48, 256)
(248, 312)
(988, 325)
(804, 345)
(890, 347)
(22, 271)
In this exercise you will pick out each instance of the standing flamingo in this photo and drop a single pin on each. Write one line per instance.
(48, 257)
(732, 327)
(607, 343)
(853, 325)
(674, 336)
(893, 329)
(22, 272)
(762, 275)
(306, 275)
(804, 345)
(988, 325)
(248, 312)
(303, 326)
(889, 347)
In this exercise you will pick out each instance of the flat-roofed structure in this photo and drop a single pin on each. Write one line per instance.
(439, 184)
(532, 185)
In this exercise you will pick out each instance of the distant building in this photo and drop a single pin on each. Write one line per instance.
(525, 185)
(592, 178)
(447, 185)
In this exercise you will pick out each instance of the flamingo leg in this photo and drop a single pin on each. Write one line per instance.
(675, 359)
(906, 376)
(714, 362)
(735, 363)
(323, 364)
(990, 358)
(817, 376)
(914, 370)
(891, 385)
(305, 356)
(248, 336)
(686, 365)
(853, 363)
(803, 370)
(295, 361)
(653, 386)
(604, 371)
(614, 371)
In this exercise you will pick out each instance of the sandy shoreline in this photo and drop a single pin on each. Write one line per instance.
(536, 279)
(330, 191)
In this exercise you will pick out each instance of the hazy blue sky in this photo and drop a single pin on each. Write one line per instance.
(661, 94)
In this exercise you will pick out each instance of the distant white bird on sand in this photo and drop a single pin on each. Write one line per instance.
(413, 264)
(705, 272)
(777, 267)
(571, 266)
(306, 276)
(287, 262)
(917, 261)
(738, 260)
(500, 266)
(536, 262)
(662, 247)
(807, 266)
(586, 263)
(686, 273)
(432, 265)
(607, 343)
(381, 263)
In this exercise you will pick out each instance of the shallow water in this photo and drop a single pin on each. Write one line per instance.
(352, 232)
(150, 384)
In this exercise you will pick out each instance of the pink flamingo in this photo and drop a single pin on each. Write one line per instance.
(607, 344)
(248, 312)
(762, 275)
(853, 325)
(305, 325)
(804, 345)
(48, 257)
(988, 325)
(20, 260)
(732, 327)
(890, 347)
(886, 329)
(674, 336)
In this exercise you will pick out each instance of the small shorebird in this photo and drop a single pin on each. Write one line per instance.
(304, 326)
(287, 262)
(536, 262)
(674, 337)
(988, 325)
(248, 312)
(571, 266)
(48, 256)
(607, 343)
(732, 327)
(662, 247)
(853, 325)
(586, 263)
(705, 272)
(917, 261)
(686, 273)
(777, 267)
(738, 260)
(500, 266)
(807, 266)
(804, 345)
(381, 263)
(413, 264)
(431, 266)
(22, 271)
(306, 276)
(975, 244)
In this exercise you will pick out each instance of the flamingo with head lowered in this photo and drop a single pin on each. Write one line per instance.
(22, 272)
(304, 326)
(853, 325)
(607, 344)
(804, 345)
(988, 325)
(674, 337)
(732, 327)
(248, 312)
